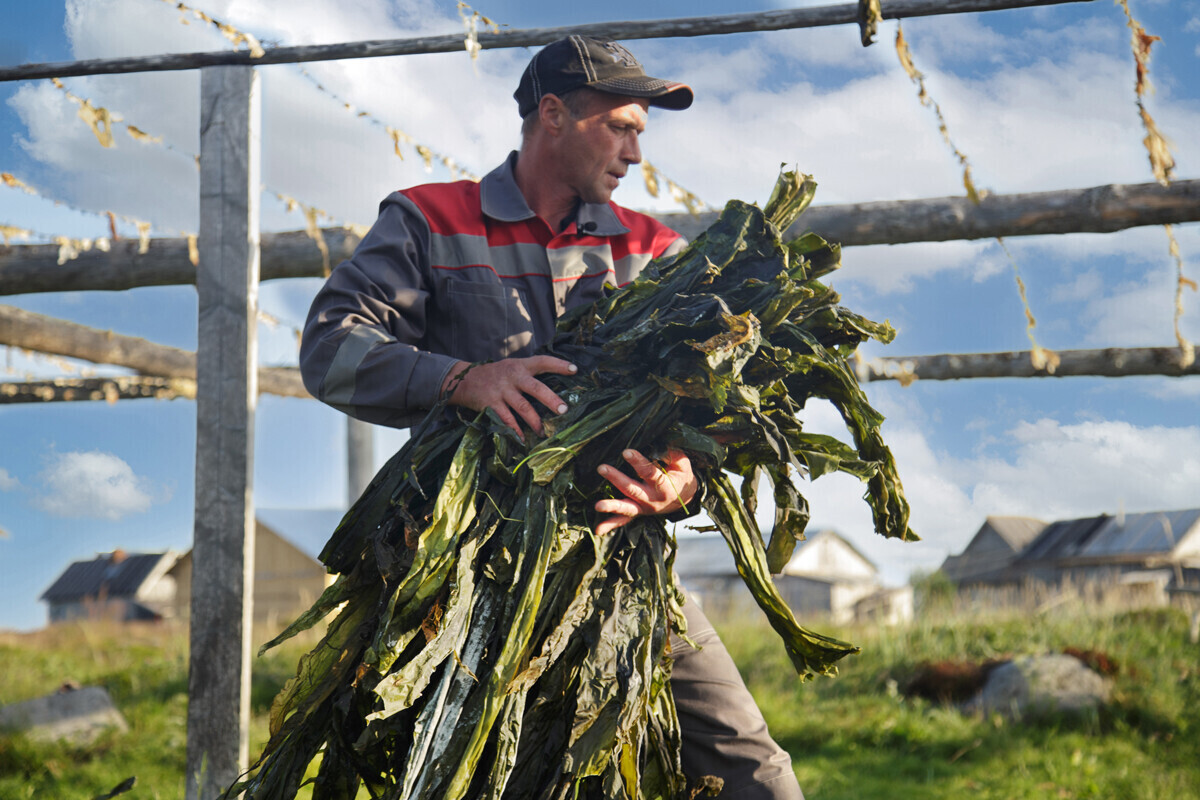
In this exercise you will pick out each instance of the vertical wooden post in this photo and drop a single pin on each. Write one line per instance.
(226, 393)
(360, 458)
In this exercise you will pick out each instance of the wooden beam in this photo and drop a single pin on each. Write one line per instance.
(1098, 209)
(36, 268)
(218, 717)
(360, 458)
(121, 387)
(648, 29)
(1112, 362)
(43, 334)
(1107, 363)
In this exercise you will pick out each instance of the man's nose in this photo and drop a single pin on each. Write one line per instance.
(632, 152)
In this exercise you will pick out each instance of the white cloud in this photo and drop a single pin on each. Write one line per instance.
(7, 482)
(1140, 314)
(1062, 470)
(93, 484)
(898, 267)
(1058, 116)
(1050, 470)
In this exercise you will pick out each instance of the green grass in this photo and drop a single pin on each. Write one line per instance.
(144, 669)
(854, 736)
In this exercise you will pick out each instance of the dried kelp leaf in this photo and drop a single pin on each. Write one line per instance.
(10, 232)
(869, 16)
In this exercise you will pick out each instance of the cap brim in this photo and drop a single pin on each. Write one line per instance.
(660, 93)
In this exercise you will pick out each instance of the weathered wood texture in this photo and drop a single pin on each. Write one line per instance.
(42, 334)
(1110, 363)
(218, 717)
(121, 387)
(360, 458)
(1113, 362)
(34, 267)
(1099, 209)
(648, 29)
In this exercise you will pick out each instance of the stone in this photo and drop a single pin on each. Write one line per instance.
(1040, 684)
(77, 715)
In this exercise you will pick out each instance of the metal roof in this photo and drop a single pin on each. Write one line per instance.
(1017, 531)
(110, 574)
(1062, 539)
(1155, 532)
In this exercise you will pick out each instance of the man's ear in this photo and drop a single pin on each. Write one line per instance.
(552, 114)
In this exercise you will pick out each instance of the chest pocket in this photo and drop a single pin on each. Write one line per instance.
(489, 321)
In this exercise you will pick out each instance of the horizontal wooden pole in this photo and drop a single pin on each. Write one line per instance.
(1097, 209)
(171, 369)
(123, 387)
(30, 268)
(646, 29)
(1114, 362)
(24, 329)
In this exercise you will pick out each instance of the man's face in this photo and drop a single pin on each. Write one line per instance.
(597, 149)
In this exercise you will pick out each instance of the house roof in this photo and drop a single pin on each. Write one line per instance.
(307, 528)
(708, 556)
(1016, 531)
(703, 556)
(115, 574)
(1156, 532)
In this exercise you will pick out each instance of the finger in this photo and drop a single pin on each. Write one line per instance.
(644, 467)
(543, 394)
(540, 364)
(615, 505)
(523, 409)
(624, 484)
(508, 419)
(611, 524)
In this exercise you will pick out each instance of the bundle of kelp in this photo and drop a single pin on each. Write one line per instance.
(487, 643)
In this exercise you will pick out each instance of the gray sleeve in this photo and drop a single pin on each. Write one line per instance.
(361, 349)
(674, 247)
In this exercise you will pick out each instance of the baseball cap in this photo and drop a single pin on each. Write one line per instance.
(579, 61)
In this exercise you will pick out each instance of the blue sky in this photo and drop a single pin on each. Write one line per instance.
(1038, 99)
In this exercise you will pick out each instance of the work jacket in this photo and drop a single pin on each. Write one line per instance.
(459, 271)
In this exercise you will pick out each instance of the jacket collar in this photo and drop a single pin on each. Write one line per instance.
(501, 199)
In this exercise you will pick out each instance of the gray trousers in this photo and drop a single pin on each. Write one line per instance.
(723, 732)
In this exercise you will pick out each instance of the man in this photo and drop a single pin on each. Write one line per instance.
(461, 274)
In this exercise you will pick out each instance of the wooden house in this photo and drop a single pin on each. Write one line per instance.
(826, 576)
(122, 586)
(116, 586)
(991, 551)
(288, 578)
(1158, 549)
(1115, 549)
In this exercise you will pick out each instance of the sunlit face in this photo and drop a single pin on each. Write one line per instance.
(597, 149)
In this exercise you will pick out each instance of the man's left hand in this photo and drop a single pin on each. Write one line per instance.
(664, 487)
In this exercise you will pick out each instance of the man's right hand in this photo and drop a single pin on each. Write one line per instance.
(507, 386)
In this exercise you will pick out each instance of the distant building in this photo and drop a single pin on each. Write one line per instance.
(989, 556)
(288, 578)
(826, 576)
(1160, 548)
(115, 586)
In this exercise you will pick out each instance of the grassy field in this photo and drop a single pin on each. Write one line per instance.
(855, 736)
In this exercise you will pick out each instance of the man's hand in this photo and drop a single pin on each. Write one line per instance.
(662, 489)
(506, 387)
